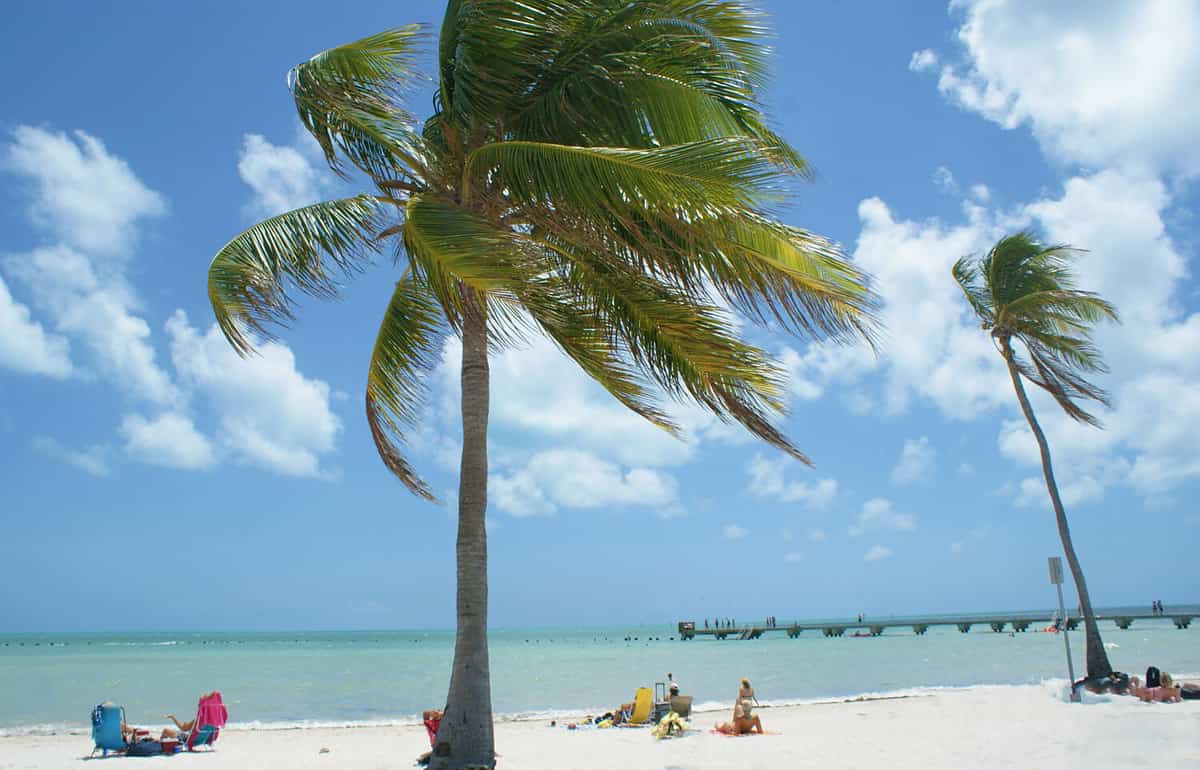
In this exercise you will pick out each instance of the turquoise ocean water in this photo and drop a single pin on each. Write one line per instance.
(49, 682)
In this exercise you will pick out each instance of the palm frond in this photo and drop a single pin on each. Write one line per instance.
(450, 245)
(307, 248)
(349, 98)
(697, 176)
(967, 275)
(1025, 290)
(405, 352)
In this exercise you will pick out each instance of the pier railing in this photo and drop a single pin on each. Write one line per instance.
(1017, 622)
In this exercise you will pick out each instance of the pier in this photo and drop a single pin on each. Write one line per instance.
(1014, 622)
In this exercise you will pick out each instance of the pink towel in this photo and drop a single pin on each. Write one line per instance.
(211, 713)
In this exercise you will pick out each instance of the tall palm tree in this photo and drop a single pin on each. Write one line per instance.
(1024, 290)
(597, 171)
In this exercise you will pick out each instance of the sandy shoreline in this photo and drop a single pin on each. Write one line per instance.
(993, 727)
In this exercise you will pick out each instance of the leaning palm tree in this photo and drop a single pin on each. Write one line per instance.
(1024, 290)
(596, 171)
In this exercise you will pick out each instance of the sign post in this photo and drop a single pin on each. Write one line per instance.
(1056, 577)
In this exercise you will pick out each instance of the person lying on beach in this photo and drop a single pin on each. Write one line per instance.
(1165, 691)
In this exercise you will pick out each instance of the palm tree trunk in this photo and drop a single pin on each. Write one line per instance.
(1097, 658)
(465, 737)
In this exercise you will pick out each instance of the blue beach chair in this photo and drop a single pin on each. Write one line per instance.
(107, 719)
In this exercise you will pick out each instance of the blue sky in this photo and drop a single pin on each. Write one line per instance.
(152, 480)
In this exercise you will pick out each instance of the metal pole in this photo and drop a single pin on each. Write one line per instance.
(1067, 643)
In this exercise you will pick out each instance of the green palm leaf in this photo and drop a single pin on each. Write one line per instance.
(405, 352)
(697, 176)
(306, 248)
(349, 99)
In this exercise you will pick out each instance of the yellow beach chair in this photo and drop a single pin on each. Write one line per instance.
(643, 701)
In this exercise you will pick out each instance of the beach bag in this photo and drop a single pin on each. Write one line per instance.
(144, 749)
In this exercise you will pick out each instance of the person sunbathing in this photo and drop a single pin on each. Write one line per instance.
(181, 730)
(745, 721)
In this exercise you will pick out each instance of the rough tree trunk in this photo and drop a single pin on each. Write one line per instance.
(1097, 658)
(465, 737)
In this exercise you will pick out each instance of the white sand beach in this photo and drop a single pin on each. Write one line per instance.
(992, 727)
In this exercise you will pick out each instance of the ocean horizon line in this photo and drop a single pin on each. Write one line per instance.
(1139, 609)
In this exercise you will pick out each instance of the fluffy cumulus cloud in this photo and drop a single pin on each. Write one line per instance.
(282, 176)
(82, 194)
(932, 349)
(25, 345)
(768, 479)
(270, 415)
(169, 440)
(916, 461)
(561, 441)
(878, 514)
(1114, 84)
(91, 206)
(98, 309)
(570, 478)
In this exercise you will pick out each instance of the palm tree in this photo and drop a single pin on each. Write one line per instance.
(1024, 290)
(597, 171)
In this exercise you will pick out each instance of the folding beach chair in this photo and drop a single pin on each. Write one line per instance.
(211, 716)
(107, 719)
(681, 705)
(643, 702)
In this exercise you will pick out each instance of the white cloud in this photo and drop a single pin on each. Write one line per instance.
(877, 513)
(877, 553)
(170, 440)
(540, 396)
(932, 349)
(767, 480)
(93, 460)
(922, 60)
(577, 479)
(1099, 83)
(281, 176)
(83, 195)
(793, 556)
(25, 346)
(944, 180)
(817, 535)
(270, 414)
(916, 461)
(98, 312)
(734, 532)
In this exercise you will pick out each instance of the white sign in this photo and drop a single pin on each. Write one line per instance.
(1056, 576)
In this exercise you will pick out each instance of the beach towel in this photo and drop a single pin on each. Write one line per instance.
(210, 718)
(431, 729)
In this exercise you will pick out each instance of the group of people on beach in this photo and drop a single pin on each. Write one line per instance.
(1160, 687)
(1156, 607)
(744, 721)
